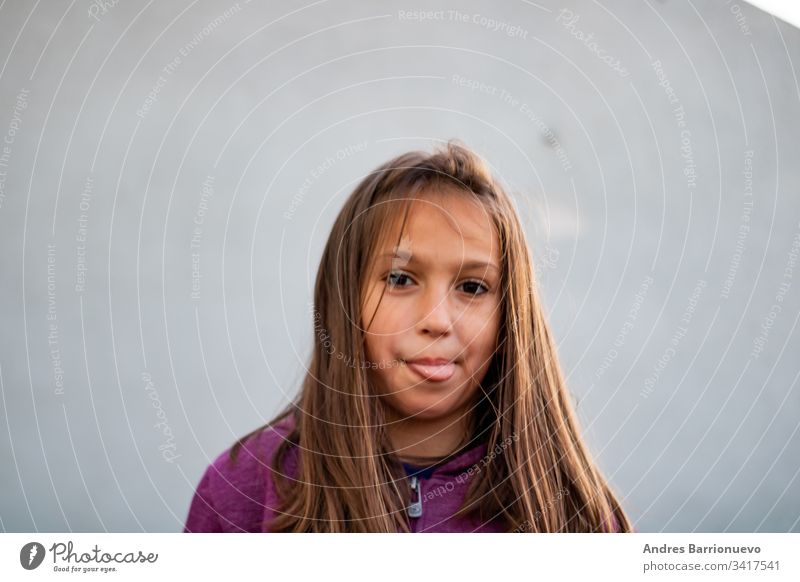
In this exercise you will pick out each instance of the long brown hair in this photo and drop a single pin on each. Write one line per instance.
(347, 479)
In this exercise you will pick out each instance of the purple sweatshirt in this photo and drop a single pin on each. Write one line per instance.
(241, 496)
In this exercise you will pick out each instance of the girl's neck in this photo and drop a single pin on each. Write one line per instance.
(423, 441)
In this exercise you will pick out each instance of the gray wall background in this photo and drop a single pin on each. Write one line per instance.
(661, 202)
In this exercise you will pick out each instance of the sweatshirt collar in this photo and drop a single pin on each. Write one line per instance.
(461, 462)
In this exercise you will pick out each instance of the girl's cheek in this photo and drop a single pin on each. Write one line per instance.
(490, 313)
(395, 317)
(480, 322)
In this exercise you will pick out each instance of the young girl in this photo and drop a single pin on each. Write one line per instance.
(433, 400)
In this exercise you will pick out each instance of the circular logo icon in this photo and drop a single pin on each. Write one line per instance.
(31, 555)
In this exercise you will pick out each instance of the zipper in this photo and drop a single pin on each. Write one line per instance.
(415, 509)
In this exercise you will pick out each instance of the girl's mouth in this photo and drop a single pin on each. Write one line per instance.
(433, 371)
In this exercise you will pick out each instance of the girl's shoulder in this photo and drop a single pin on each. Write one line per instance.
(234, 492)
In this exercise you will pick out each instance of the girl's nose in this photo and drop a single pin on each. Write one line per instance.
(435, 317)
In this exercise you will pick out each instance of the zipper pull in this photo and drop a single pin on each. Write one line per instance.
(415, 509)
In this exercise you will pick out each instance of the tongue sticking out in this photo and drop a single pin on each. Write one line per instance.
(433, 372)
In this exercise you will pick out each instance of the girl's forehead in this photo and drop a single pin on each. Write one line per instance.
(440, 216)
(441, 226)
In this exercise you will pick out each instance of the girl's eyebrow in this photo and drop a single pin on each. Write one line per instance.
(408, 257)
(399, 254)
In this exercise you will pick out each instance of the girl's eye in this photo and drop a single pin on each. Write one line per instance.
(398, 279)
(392, 278)
(475, 287)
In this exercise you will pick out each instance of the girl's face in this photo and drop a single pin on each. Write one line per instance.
(432, 339)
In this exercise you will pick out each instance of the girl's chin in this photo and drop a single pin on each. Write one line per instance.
(422, 407)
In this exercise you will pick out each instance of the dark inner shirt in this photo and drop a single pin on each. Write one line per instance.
(422, 472)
